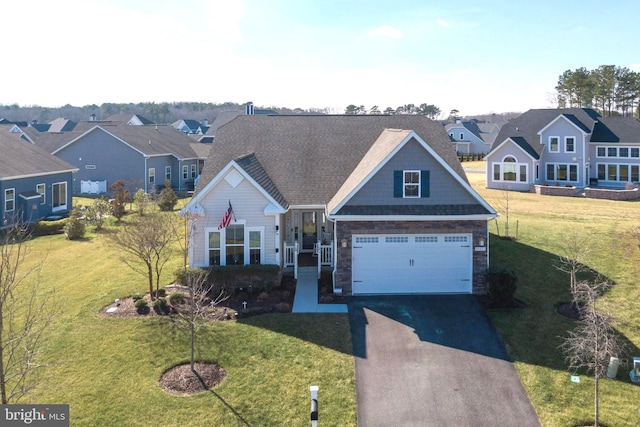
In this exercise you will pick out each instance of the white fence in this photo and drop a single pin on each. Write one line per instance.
(93, 187)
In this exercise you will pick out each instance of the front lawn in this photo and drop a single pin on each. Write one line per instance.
(532, 335)
(107, 369)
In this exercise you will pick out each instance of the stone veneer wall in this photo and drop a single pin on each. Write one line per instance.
(346, 229)
(601, 193)
(556, 190)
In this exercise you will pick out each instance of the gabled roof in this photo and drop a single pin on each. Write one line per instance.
(61, 125)
(309, 157)
(23, 159)
(617, 129)
(149, 140)
(524, 129)
(483, 130)
(254, 169)
(132, 119)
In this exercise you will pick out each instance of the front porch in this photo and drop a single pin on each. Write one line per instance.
(321, 258)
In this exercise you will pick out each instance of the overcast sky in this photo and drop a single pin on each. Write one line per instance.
(474, 56)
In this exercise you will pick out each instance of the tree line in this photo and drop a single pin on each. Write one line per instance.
(611, 89)
(161, 113)
(424, 109)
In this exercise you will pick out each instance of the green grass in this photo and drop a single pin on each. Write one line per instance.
(108, 369)
(532, 335)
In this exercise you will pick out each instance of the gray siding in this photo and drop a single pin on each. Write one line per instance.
(33, 210)
(563, 129)
(444, 189)
(112, 160)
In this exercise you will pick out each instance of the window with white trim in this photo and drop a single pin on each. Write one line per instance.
(255, 245)
(620, 151)
(509, 170)
(185, 172)
(618, 172)
(167, 173)
(234, 244)
(59, 196)
(193, 171)
(411, 184)
(554, 144)
(9, 199)
(569, 144)
(152, 175)
(41, 190)
(214, 250)
(562, 172)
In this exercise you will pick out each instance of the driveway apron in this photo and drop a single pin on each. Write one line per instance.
(433, 360)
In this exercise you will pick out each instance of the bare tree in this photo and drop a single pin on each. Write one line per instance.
(146, 245)
(200, 306)
(575, 252)
(593, 341)
(25, 313)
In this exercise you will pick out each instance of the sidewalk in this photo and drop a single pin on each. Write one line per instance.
(305, 299)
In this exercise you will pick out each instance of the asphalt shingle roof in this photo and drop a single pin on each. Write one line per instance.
(21, 158)
(524, 128)
(308, 158)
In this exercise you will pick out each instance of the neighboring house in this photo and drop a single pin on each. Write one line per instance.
(143, 156)
(61, 125)
(472, 137)
(130, 119)
(565, 147)
(33, 183)
(382, 200)
(191, 127)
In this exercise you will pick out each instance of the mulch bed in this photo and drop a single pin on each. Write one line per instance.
(181, 380)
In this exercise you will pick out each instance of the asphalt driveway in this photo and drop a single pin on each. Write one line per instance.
(433, 361)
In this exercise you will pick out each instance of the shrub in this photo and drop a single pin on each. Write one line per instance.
(177, 298)
(74, 229)
(97, 212)
(182, 276)
(167, 199)
(160, 306)
(46, 228)
(136, 297)
(141, 306)
(142, 201)
(502, 286)
(160, 293)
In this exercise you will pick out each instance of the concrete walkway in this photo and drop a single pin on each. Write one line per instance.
(305, 299)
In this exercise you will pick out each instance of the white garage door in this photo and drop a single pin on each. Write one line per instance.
(412, 264)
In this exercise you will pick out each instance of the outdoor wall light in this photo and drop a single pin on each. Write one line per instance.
(277, 227)
(481, 241)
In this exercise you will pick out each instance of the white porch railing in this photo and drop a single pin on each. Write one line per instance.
(291, 257)
(325, 255)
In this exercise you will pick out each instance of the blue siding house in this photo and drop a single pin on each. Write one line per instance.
(33, 183)
(142, 156)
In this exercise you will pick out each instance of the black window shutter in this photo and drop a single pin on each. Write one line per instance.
(424, 184)
(398, 181)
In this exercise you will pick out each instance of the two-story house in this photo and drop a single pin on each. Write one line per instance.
(565, 147)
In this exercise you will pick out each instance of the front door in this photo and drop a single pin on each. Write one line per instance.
(309, 230)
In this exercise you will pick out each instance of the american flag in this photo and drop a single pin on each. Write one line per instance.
(226, 219)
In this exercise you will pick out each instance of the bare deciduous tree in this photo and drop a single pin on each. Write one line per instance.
(593, 341)
(26, 310)
(575, 252)
(200, 306)
(146, 246)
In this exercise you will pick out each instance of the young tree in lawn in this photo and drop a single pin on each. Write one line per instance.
(97, 212)
(167, 198)
(575, 252)
(120, 197)
(146, 246)
(593, 341)
(26, 311)
(142, 201)
(199, 307)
